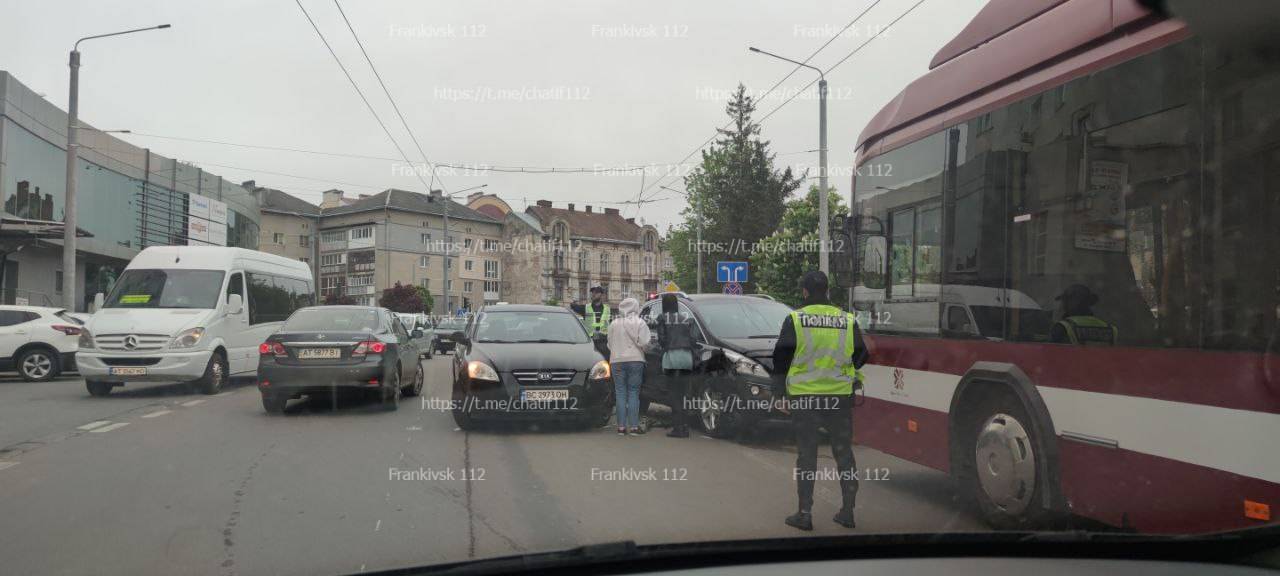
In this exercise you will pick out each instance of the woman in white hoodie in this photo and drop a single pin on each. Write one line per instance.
(628, 335)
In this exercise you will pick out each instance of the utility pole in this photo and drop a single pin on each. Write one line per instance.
(69, 199)
(824, 217)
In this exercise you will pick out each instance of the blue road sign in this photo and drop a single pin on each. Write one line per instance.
(733, 288)
(731, 272)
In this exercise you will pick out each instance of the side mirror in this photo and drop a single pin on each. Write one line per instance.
(459, 337)
(98, 300)
(235, 304)
(417, 333)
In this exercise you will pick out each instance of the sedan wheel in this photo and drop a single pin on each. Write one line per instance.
(37, 365)
(414, 388)
(391, 397)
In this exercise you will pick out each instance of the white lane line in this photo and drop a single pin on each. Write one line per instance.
(92, 425)
(9, 464)
(221, 394)
(116, 426)
(193, 403)
(378, 526)
(156, 413)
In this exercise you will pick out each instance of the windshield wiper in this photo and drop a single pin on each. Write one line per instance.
(764, 336)
(495, 341)
(550, 341)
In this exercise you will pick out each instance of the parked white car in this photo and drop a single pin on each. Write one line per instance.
(192, 314)
(38, 342)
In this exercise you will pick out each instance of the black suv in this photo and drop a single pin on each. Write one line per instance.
(734, 336)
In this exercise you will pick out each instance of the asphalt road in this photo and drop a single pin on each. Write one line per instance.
(156, 480)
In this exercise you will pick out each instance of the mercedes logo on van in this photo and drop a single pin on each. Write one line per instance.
(130, 342)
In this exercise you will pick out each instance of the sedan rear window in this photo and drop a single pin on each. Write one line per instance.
(325, 319)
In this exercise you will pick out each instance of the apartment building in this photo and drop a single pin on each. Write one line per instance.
(555, 255)
(289, 226)
(369, 244)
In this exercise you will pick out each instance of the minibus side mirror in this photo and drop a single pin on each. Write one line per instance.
(98, 300)
(235, 304)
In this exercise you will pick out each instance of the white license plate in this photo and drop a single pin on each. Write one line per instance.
(128, 371)
(319, 353)
(539, 395)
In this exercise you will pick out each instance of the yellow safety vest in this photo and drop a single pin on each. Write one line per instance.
(599, 322)
(1089, 331)
(824, 346)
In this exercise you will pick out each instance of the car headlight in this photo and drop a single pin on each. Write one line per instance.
(187, 338)
(478, 370)
(744, 366)
(86, 339)
(600, 371)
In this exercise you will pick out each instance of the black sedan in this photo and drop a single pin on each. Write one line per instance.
(733, 391)
(326, 350)
(529, 362)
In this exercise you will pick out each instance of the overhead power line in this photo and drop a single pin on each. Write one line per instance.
(712, 138)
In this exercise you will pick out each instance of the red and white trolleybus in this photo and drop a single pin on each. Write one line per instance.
(1090, 145)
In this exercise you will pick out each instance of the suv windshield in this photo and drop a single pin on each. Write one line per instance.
(323, 319)
(146, 288)
(512, 327)
(743, 317)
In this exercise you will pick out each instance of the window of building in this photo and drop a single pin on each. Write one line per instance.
(604, 262)
(57, 281)
(624, 264)
(338, 259)
(424, 261)
(362, 233)
(468, 265)
(361, 280)
(490, 268)
(491, 245)
(304, 240)
(468, 286)
(466, 243)
(490, 285)
(584, 261)
(333, 236)
(277, 238)
(425, 238)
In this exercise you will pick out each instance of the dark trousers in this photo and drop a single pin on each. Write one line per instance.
(835, 414)
(678, 381)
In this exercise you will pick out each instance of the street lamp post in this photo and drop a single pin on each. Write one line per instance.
(698, 242)
(69, 200)
(448, 246)
(824, 254)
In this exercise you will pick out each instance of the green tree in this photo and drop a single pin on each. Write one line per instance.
(782, 257)
(742, 196)
(401, 298)
(428, 302)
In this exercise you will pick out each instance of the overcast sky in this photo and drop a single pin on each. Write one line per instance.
(570, 84)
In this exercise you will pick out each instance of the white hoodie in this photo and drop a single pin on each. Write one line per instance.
(628, 334)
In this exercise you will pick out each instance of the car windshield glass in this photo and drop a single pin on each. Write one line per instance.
(743, 317)
(147, 288)
(530, 327)
(327, 319)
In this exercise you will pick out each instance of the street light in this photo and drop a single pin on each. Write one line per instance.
(69, 201)
(823, 216)
(698, 244)
(448, 246)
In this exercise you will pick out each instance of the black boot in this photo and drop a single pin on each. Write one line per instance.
(679, 432)
(844, 518)
(802, 520)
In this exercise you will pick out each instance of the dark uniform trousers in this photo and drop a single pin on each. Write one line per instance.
(835, 414)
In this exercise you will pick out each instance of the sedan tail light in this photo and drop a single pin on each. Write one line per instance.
(369, 347)
(66, 329)
(272, 349)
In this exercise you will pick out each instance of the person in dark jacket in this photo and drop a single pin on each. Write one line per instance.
(820, 397)
(675, 337)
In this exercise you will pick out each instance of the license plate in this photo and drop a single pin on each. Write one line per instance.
(128, 371)
(541, 395)
(319, 353)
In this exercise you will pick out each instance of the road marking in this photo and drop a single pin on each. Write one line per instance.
(116, 426)
(156, 413)
(221, 394)
(10, 464)
(378, 526)
(192, 403)
(92, 425)
(414, 428)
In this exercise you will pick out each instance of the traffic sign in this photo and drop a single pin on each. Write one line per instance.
(733, 288)
(731, 272)
(671, 287)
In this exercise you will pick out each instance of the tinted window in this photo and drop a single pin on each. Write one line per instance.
(15, 317)
(271, 298)
(140, 288)
(331, 319)
(743, 317)
(529, 327)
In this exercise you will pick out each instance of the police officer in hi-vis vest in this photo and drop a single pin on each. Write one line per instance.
(818, 353)
(1078, 325)
(596, 312)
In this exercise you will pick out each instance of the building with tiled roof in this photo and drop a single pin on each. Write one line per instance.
(558, 254)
